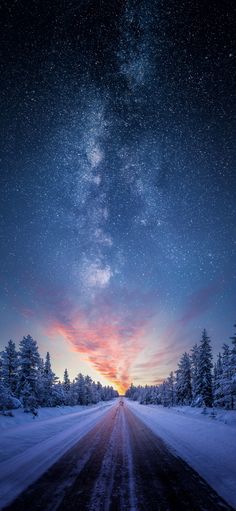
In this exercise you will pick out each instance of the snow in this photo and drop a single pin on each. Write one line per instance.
(207, 444)
(28, 447)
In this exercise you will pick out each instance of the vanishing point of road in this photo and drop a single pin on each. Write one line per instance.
(120, 465)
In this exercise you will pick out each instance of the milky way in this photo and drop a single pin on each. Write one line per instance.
(117, 184)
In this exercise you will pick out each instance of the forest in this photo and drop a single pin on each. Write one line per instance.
(27, 380)
(197, 381)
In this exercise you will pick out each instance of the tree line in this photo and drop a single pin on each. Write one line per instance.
(196, 381)
(27, 380)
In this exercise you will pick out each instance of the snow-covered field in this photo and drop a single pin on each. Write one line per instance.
(28, 447)
(207, 444)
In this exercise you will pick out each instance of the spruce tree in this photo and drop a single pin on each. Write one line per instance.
(66, 385)
(170, 389)
(29, 361)
(225, 381)
(194, 359)
(217, 382)
(183, 383)
(204, 377)
(80, 389)
(49, 379)
(66, 381)
(233, 370)
(9, 370)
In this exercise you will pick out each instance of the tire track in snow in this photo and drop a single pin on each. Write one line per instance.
(101, 496)
(129, 463)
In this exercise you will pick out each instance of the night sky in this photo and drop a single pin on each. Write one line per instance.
(117, 192)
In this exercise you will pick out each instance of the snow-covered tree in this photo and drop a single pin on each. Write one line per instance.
(194, 358)
(80, 389)
(7, 400)
(59, 397)
(164, 394)
(88, 389)
(9, 366)
(225, 380)
(95, 393)
(40, 389)
(170, 389)
(233, 369)
(4, 397)
(29, 361)
(66, 381)
(28, 397)
(26, 375)
(183, 386)
(217, 382)
(194, 383)
(66, 385)
(49, 380)
(204, 376)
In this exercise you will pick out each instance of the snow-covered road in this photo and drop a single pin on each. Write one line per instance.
(120, 464)
(30, 447)
(207, 445)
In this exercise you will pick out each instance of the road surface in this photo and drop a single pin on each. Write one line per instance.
(120, 465)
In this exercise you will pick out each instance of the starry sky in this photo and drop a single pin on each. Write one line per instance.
(117, 193)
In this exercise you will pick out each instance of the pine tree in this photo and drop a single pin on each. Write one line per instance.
(66, 381)
(66, 385)
(170, 389)
(59, 395)
(225, 381)
(207, 389)
(183, 383)
(233, 370)
(95, 393)
(10, 363)
(155, 396)
(194, 359)
(29, 361)
(28, 397)
(80, 389)
(204, 377)
(217, 382)
(164, 394)
(40, 383)
(0, 369)
(88, 390)
(49, 379)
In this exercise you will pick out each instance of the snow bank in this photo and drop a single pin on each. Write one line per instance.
(28, 447)
(208, 445)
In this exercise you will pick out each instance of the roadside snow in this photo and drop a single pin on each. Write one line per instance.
(208, 445)
(28, 447)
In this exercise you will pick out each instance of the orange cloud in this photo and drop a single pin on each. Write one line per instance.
(109, 344)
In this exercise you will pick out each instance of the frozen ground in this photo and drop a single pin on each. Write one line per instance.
(207, 444)
(28, 447)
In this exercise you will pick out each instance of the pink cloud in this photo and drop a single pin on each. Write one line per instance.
(176, 336)
(110, 345)
(111, 334)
